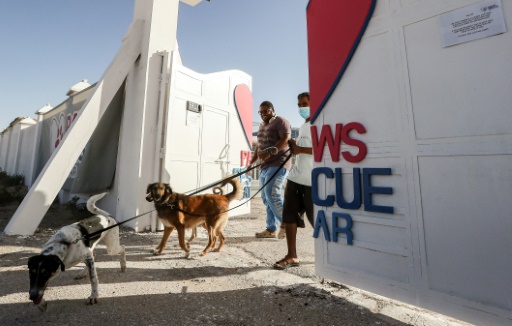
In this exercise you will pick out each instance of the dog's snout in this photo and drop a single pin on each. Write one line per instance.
(33, 294)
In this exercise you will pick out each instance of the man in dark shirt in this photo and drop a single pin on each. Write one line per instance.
(273, 136)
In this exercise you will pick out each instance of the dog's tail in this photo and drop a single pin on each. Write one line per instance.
(91, 205)
(237, 191)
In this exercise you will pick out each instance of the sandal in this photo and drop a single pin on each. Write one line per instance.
(265, 234)
(286, 262)
(282, 233)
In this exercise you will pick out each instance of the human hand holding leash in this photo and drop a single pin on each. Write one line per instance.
(294, 149)
(267, 152)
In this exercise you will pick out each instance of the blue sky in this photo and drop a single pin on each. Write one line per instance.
(48, 46)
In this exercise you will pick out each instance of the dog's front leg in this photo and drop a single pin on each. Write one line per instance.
(89, 262)
(167, 232)
(181, 238)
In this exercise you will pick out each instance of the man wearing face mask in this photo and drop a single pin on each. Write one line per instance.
(273, 136)
(297, 195)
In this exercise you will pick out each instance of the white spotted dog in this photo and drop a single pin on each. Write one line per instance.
(66, 248)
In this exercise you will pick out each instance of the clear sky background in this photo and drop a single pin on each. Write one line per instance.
(48, 46)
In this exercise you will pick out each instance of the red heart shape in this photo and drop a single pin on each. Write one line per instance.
(335, 29)
(243, 104)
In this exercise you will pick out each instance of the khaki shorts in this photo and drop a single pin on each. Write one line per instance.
(297, 201)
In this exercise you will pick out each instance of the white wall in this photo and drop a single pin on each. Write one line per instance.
(4, 147)
(440, 119)
(202, 153)
(16, 148)
(27, 144)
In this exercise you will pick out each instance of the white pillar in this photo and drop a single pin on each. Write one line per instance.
(137, 163)
(29, 179)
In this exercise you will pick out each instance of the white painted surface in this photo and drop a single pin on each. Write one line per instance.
(201, 155)
(440, 119)
(17, 146)
(4, 142)
(26, 146)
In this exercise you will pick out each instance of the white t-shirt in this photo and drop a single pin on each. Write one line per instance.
(301, 170)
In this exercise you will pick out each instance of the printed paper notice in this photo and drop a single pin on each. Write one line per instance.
(193, 118)
(473, 22)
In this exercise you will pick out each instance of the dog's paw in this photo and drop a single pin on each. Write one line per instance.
(123, 265)
(156, 251)
(92, 301)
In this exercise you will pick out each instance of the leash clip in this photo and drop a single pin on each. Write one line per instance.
(271, 150)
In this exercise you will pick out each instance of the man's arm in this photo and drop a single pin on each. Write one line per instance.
(254, 157)
(295, 149)
(282, 143)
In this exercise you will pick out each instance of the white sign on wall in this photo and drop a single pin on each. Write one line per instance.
(473, 22)
(193, 118)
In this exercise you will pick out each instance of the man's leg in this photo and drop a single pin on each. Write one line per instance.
(273, 192)
(291, 239)
(307, 199)
(266, 198)
(292, 219)
(267, 192)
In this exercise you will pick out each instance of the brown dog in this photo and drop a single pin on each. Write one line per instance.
(181, 212)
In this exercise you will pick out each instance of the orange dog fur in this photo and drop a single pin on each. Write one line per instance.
(208, 209)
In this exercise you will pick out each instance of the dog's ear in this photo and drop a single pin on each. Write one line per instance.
(149, 193)
(58, 262)
(33, 260)
(168, 190)
(62, 267)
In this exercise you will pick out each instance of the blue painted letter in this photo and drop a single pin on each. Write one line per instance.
(369, 190)
(356, 179)
(329, 201)
(321, 222)
(347, 229)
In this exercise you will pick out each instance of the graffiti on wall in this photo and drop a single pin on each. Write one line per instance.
(59, 126)
(245, 180)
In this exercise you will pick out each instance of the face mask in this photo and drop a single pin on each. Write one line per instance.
(304, 112)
